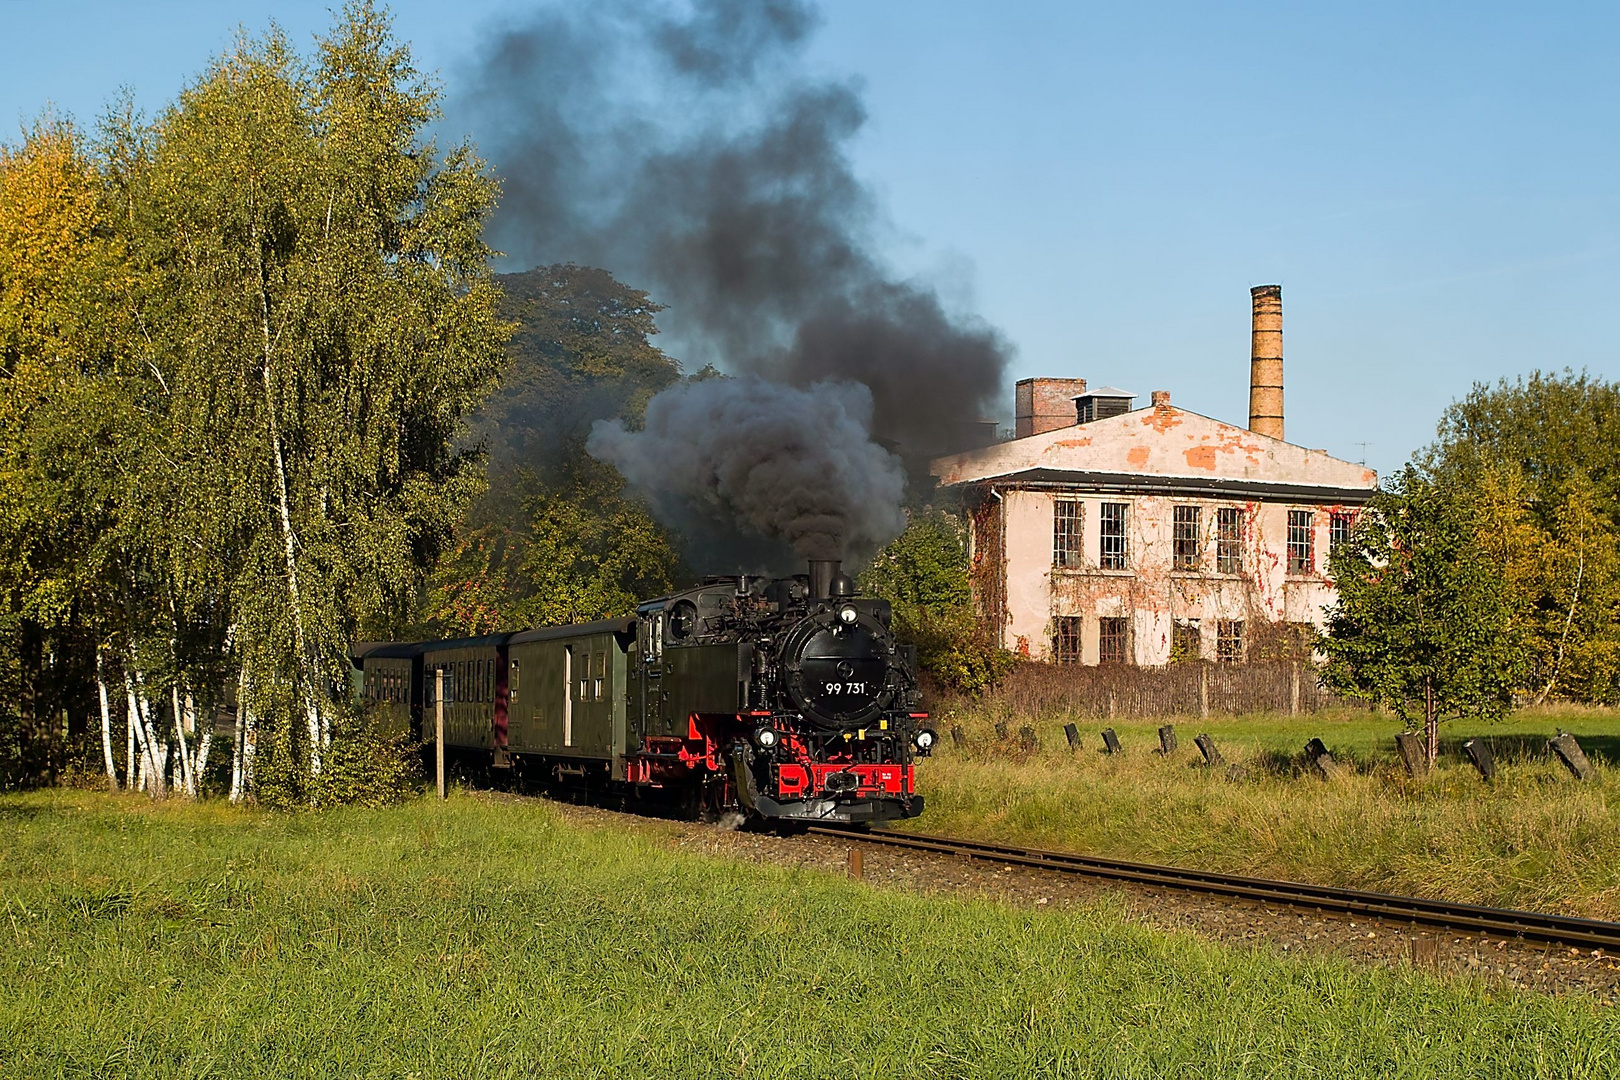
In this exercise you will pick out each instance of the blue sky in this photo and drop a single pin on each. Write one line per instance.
(1434, 185)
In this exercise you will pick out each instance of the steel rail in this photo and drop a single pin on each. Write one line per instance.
(1386, 907)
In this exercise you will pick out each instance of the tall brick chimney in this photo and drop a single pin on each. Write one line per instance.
(1266, 362)
(1042, 405)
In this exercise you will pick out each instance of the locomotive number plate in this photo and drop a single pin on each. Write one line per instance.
(845, 688)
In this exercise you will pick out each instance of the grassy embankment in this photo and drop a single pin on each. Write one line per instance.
(484, 938)
(1534, 838)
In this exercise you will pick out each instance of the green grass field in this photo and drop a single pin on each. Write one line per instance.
(486, 938)
(1533, 838)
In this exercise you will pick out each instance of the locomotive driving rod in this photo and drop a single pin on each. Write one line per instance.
(1414, 910)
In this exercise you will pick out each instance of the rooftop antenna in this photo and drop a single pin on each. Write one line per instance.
(1363, 446)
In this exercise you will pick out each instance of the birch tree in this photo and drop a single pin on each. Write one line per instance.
(324, 321)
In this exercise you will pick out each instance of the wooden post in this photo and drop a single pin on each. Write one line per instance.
(1203, 690)
(855, 860)
(438, 726)
(1293, 696)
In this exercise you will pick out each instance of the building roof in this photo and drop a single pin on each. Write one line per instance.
(1104, 391)
(1165, 448)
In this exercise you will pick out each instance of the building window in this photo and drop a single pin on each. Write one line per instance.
(1301, 549)
(1111, 528)
(1113, 641)
(1188, 543)
(1068, 535)
(1066, 639)
(1229, 641)
(1229, 540)
(1339, 528)
(1186, 643)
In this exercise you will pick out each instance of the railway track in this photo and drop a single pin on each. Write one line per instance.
(1408, 910)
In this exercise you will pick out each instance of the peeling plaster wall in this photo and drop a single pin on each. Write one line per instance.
(1152, 593)
(1169, 451)
(1028, 539)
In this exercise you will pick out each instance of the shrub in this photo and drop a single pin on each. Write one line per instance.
(362, 767)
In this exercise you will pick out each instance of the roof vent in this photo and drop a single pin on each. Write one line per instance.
(1101, 403)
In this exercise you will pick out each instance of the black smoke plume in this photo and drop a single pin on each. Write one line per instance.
(782, 463)
(690, 151)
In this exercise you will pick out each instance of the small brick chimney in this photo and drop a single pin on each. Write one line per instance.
(1043, 405)
(1161, 399)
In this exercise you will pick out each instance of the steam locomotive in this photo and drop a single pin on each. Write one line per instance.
(787, 700)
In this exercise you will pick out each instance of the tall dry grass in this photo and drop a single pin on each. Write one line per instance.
(1533, 838)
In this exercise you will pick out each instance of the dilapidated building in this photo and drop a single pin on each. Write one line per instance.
(1107, 533)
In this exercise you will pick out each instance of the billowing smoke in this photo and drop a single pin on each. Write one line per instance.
(780, 462)
(691, 151)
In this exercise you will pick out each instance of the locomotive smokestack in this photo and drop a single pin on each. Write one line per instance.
(1266, 362)
(822, 574)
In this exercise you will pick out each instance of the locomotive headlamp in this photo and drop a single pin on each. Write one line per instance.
(925, 740)
(847, 614)
(766, 737)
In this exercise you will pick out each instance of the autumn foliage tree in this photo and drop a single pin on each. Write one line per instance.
(271, 308)
(67, 382)
(1540, 457)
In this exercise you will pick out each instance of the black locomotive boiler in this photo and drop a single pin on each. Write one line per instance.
(784, 699)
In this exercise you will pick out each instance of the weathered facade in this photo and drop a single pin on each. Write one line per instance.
(1146, 535)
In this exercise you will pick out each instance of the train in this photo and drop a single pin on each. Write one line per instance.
(785, 700)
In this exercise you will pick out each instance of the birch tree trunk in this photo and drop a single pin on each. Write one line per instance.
(156, 753)
(150, 778)
(106, 727)
(250, 738)
(187, 782)
(236, 746)
(199, 767)
(312, 714)
(131, 771)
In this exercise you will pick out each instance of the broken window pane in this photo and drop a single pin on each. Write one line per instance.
(1229, 540)
(1301, 553)
(1113, 641)
(1068, 545)
(1066, 639)
(1186, 643)
(1115, 554)
(1188, 542)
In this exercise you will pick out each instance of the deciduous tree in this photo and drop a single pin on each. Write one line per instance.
(1424, 622)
